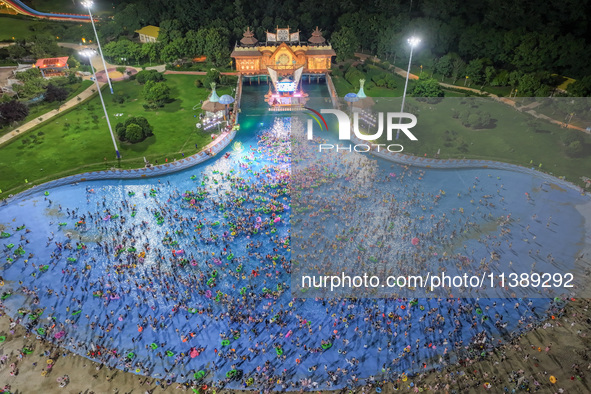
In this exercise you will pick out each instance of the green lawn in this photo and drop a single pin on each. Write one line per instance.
(343, 87)
(515, 138)
(21, 27)
(79, 141)
(43, 107)
(17, 27)
(501, 91)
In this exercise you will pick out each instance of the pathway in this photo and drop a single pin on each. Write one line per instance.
(527, 109)
(89, 92)
(199, 72)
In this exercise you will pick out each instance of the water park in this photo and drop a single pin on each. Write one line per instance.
(186, 277)
(237, 243)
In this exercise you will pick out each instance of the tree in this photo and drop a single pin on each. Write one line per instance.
(475, 71)
(12, 111)
(122, 49)
(31, 88)
(156, 93)
(149, 75)
(44, 45)
(489, 75)
(55, 93)
(18, 51)
(73, 63)
(444, 66)
(135, 129)
(170, 30)
(344, 43)
(133, 133)
(581, 87)
(174, 50)
(458, 68)
(30, 74)
(428, 87)
(529, 84)
(216, 47)
(196, 42)
(213, 75)
(150, 50)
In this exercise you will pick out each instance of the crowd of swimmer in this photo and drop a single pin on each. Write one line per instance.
(353, 217)
(194, 287)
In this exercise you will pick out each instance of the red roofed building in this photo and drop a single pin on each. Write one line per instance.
(52, 67)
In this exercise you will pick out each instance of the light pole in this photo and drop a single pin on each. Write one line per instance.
(89, 53)
(88, 5)
(413, 41)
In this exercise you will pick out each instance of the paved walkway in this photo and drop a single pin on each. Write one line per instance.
(527, 109)
(89, 92)
(199, 72)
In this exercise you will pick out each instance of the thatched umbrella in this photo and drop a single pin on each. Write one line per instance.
(226, 99)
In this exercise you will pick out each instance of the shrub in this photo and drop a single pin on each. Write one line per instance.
(13, 111)
(353, 75)
(475, 120)
(133, 133)
(55, 93)
(198, 83)
(572, 136)
(212, 75)
(156, 94)
(135, 129)
(574, 149)
(118, 99)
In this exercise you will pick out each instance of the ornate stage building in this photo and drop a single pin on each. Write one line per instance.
(283, 52)
(283, 59)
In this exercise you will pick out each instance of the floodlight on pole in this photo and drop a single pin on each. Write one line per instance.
(89, 53)
(88, 4)
(413, 42)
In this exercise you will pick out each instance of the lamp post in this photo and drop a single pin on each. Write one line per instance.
(413, 41)
(89, 53)
(88, 5)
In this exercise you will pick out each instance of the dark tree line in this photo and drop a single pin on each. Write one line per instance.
(528, 35)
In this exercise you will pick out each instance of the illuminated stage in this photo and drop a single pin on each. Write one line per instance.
(286, 94)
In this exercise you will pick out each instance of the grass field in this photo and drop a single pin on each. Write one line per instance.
(21, 27)
(513, 137)
(17, 27)
(43, 107)
(79, 141)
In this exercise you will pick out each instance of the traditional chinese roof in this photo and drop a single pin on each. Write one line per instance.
(248, 52)
(317, 38)
(327, 51)
(149, 30)
(248, 38)
(52, 62)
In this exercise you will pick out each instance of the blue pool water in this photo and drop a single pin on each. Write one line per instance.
(133, 289)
